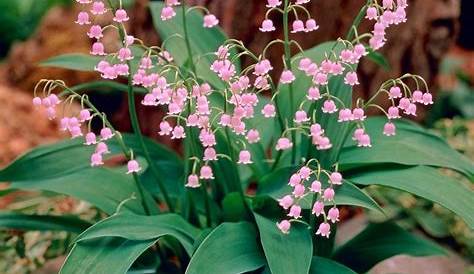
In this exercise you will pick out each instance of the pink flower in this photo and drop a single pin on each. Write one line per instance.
(329, 106)
(328, 194)
(98, 49)
(387, 4)
(394, 93)
(268, 111)
(133, 167)
(417, 96)
(125, 54)
(283, 144)
(364, 141)
(393, 113)
(358, 114)
(263, 67)
(322, 143)
(315, 186)
(389, 129)
(75, 132)
(304, 172)
(359, 51)
(295, 179)
(267, 26)
(411, 109)
(273, 3)
(298, 26)
(336, 178)
(83, 18)
(287, 77)
(84, 115)
(299, 191)
(149, 100)
(324, 230)
(178, 133)
(210, 154)
(244, 157)
(121, 16)
(345, 115)
(172, 2)
(83, 1)
(318, 208)
(284, 226)
(102, 148)
(304, 64)
(351, 79)
(301, 2)
(91, 139)
(316, 130)
(320, 78)
(333, 215)
(253, 136)
(96, 159)
(193, 181)
(427, 99)
(37, 101)
(371, 13)
(301, 117)
(313, 94)
(95, 32)
(286, 202)
(206, 173)
(210, 21)
(165, 128)
(167, 13)
(404, 103)
(295, 212)
(98, 8)
(106, 133)
(311, 25)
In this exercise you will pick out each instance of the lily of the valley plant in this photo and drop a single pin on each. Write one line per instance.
(268, 161)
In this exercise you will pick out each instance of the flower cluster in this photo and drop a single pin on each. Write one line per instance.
(191, 108)
(307, 181)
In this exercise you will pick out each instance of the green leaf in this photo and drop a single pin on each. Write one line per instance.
(425, 182)
(73, 61)
(202, 40)
(64, 168)
(276, 186)
(140, 228)
(104, 255)
(378, 242)
(113, 244)
(320, 265)
(412, 145)
(230, 248)
(285, 253)
(379, 59)
(431, 223)
(19, 221)
(86, 62)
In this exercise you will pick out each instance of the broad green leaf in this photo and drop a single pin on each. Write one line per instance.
(229, 249)
(431, 223)
(102, 187)
(202, 40)
(320, 265)
(276, 186)
(378, 242)
(113, 244)
(379, 59)
(412, 145)
(64, 168)
(140, 228)
(86, 62)
(285, 253)
(20, 221)
(104, 255)
(426, 182)
(73, 61)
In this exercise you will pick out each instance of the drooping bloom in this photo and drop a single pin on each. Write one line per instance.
(210, 21)
(193, 181)
(324, 230)
(284, 226)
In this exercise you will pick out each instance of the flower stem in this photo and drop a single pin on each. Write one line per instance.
(288, 66)
(136, 126)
